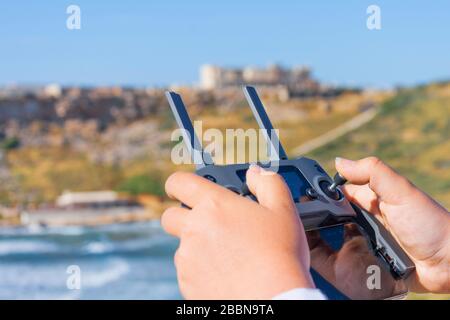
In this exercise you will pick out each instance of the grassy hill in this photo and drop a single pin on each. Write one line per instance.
(41, 173)
(411, 133)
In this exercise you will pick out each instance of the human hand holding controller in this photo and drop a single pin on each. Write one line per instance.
(232, 247)
(419, 224)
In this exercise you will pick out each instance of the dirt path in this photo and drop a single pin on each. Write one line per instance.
(331, 135)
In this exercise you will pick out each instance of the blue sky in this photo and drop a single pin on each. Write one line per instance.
(148, 43)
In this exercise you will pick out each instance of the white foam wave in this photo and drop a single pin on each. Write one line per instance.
(26, 246)
(95, 279)
(98, 247)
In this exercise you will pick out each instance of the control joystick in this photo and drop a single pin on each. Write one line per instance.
(338, 180)
(330, 189)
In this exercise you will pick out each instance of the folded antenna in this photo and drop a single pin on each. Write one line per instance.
(200, 158)
(274, 146)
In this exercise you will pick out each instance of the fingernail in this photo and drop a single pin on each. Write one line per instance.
(265, 172)
(342, 162)
(255, 168)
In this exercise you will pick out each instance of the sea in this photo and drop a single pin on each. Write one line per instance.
(118, 261)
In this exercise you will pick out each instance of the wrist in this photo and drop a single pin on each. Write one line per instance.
(301, 294)
(293, 276)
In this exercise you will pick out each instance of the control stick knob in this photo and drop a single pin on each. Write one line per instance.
(338, 180)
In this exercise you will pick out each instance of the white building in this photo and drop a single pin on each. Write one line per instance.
(296, 79)
(68, 199)
(53, 90)
(209, 76)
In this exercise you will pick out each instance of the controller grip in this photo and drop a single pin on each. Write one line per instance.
(383, 244)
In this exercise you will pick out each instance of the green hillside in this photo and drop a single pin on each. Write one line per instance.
(411, 133)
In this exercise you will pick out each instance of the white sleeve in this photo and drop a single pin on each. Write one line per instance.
(301, 294)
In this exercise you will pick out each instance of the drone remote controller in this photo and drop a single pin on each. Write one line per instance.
(317, 197)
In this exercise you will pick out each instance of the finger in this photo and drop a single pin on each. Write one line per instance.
(173, 220)
(190, 188)
(270, 189)
(351, 231)
(362, 196)
(383, 180)
(357, 248)
(322, 255)
(315, 241)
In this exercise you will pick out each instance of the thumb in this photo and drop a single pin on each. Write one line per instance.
(381, 179)
(270, 189)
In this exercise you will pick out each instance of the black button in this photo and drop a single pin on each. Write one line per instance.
(245, 191)
(210, 178)
(319, 168)
(234, 189)
(311, 193)
(325, 185)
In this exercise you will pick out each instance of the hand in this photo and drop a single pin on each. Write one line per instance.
(419, 224)
(232, 247)
(346, 268)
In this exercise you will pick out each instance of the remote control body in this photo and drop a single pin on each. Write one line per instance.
(317, 206)
(307, 182)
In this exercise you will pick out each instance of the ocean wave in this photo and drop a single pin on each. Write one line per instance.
(94, 279)
(35, 229)
(49, 281)
(39, 250)
(116, 261)
(98, 247)
(82, 240)
(26, 247)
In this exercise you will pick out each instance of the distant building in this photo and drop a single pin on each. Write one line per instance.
(214, 77)
(296, 80)
(82, 199)
(87, 208)
(53, 90)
